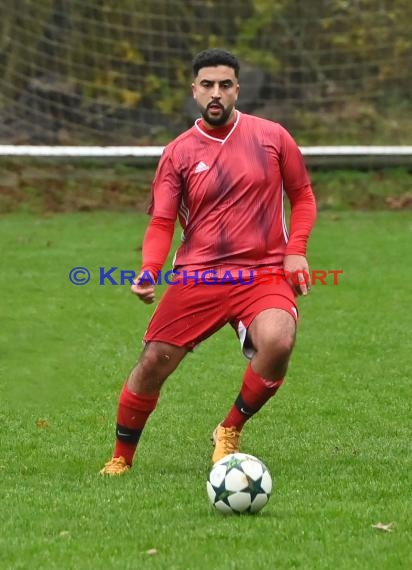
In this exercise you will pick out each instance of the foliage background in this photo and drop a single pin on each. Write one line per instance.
(332, 71)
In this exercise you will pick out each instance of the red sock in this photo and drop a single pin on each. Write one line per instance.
(255, 392)
(132, 414)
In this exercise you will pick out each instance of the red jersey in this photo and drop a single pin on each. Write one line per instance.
(228, 193)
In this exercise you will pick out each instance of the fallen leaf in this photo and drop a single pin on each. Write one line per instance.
(382, 526)
(151, 551)
(42, 424)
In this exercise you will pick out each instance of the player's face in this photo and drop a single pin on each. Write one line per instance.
(215, 90)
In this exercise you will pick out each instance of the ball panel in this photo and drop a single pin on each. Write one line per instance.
(266, 482)
(223, 508)
(240, 502)
(211, 492)
(253, 469)
(235, 480)
(217, 475)
(259, 502)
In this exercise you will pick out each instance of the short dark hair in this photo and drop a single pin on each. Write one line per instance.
(214, 57)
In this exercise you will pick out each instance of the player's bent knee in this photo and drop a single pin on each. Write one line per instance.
(284, 346)
(156, 363)
(273, 357)
(278, 347)
(160, 356)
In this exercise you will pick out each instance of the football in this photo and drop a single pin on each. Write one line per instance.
(239, 483)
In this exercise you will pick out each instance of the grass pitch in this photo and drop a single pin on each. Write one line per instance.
(337, 437)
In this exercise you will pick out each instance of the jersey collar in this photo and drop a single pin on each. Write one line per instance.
(222, 141)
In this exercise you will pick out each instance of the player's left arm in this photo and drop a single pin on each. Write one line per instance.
(303, 214)
(302, 219)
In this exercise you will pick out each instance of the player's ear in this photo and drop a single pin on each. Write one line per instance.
(194, 91)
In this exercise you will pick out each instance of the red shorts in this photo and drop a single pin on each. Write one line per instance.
(190, 312)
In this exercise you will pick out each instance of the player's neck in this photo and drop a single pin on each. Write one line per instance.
(220, 131)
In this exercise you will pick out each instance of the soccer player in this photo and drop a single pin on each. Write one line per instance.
(224, 179)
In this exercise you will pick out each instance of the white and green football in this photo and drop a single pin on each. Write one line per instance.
(239, 483)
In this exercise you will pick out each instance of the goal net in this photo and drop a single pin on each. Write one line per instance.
(98, 72)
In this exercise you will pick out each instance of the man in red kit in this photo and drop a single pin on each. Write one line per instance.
(224, 178)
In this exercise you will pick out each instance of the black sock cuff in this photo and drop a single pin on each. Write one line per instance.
(127, 435)
(243, 408)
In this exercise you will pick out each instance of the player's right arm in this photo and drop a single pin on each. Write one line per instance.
(165, 201)
(156, 245)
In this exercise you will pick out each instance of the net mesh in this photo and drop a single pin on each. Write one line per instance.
(119, 73)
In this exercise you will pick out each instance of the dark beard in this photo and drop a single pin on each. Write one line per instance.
(218, 121)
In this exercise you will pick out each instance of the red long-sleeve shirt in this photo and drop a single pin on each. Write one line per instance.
(227, 187)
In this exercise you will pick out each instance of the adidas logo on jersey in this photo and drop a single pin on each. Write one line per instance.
(201, 167)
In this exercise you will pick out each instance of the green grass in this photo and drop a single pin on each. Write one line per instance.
(337, 437)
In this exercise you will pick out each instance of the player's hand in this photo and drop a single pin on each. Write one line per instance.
(297, 273)
(144, 288)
